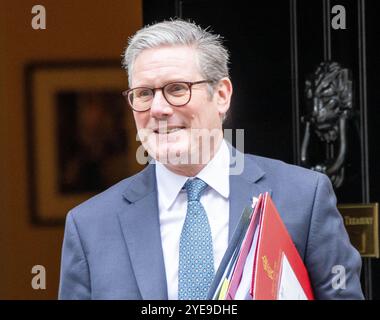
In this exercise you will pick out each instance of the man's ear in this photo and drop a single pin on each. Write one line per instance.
(223, 93)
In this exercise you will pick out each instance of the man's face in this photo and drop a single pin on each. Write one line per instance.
(169, 130)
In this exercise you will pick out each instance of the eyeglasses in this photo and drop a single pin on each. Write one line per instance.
(176, 94)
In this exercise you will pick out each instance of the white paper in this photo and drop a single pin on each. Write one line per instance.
(243, 290)
(289, 287)
(254, 202)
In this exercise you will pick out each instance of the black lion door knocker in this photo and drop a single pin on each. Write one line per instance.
(329, 107)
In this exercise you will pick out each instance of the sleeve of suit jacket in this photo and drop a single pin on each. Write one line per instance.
(75, 277)
(333, 264)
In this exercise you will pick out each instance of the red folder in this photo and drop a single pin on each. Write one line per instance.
(278, 269)
(274, 269)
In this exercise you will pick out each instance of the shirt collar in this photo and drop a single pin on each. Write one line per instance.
(215, 174)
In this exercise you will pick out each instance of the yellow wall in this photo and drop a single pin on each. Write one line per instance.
(84, 29)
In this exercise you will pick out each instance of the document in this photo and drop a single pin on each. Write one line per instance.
(289, 287)
(261, 262)
(243, 291)
(274, 244)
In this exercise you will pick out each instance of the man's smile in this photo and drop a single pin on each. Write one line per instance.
(168, 129)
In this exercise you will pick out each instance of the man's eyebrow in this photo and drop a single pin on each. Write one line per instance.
(144, 84)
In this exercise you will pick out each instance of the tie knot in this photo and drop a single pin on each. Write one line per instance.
(194, 188)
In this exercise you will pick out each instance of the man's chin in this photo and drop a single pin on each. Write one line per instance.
(171, 155)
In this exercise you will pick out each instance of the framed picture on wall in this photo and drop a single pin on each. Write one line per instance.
(80, 134)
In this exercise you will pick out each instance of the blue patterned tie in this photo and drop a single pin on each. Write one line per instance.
(196, 260)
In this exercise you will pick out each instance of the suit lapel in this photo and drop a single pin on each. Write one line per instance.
(141, 230)
(250, 183)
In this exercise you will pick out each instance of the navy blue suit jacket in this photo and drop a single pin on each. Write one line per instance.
(112, 244)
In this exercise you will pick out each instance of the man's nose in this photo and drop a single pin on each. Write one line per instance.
(160, 108)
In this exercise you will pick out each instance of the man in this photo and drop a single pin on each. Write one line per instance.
(162, 233)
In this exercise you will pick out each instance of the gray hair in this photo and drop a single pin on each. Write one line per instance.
(213, 57)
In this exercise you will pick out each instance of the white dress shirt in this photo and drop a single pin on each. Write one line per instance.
(172, 205)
